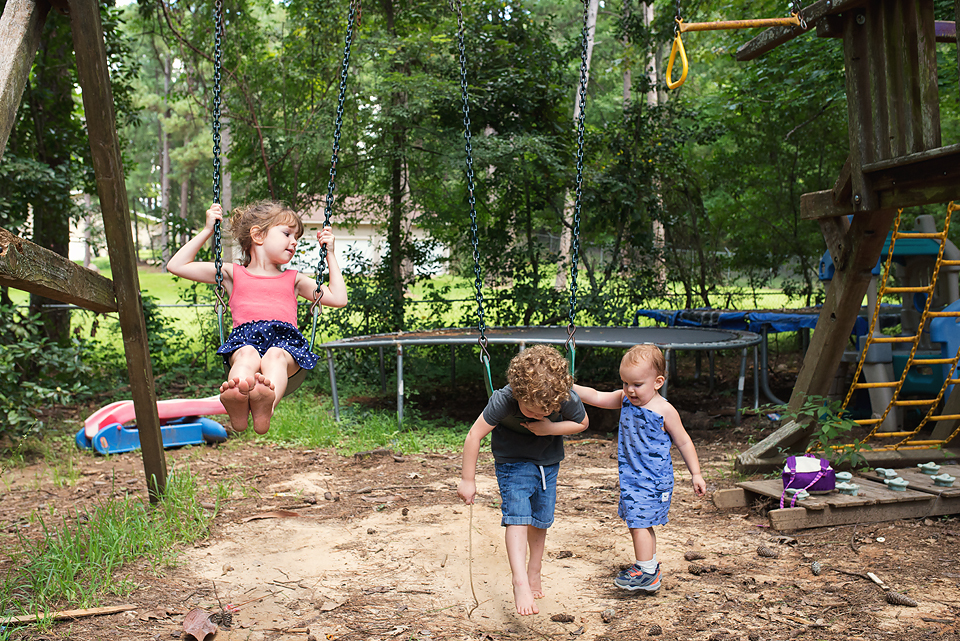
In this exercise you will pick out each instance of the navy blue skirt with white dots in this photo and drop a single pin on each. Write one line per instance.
(266, 334)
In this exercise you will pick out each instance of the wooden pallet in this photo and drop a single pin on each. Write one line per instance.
(924, 482)
(873, 504)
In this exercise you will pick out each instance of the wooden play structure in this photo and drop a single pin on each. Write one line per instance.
(29, 267)
(896, 160)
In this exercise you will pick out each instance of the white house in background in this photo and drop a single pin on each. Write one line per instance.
(363, 238)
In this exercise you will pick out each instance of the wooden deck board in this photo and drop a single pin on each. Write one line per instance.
(921, 482)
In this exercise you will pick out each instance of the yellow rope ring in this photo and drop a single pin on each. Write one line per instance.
(677, 48)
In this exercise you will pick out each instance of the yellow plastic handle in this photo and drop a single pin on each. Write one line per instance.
(677, 47)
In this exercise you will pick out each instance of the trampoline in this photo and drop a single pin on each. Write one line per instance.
(670, 339)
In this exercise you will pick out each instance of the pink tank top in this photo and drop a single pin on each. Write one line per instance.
(259, 298)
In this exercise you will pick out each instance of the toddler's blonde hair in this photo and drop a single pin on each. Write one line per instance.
(262, 214)
(646, 353)
(539, 377)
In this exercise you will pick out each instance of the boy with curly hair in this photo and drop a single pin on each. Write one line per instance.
(528, 419)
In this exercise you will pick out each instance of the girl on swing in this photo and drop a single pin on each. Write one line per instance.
(265, 347)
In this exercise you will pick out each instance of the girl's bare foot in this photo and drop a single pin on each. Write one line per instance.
(536, 587)
(234, 394)
(262, 397)
(524, 599)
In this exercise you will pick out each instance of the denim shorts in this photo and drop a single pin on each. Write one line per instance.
(528, 493)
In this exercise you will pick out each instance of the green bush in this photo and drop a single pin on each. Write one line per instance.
(35, 372)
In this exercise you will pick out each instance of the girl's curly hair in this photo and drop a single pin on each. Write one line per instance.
(646, 353)
(539, 376)
(262, 214)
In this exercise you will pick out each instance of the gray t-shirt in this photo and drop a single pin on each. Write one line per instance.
(511, 442)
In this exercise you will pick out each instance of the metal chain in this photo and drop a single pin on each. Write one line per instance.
(797, 10)
(575, 244)
(478, 280)
(352, 19)
(677, 19)
(217, 63)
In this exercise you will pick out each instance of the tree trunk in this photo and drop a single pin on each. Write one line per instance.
(569, 201)
(165, 171)
(51, 99)
(395, 221)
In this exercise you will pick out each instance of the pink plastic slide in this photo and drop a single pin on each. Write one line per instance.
(122, 412)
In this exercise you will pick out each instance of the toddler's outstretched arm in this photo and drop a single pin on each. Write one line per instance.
(183, 263)
(590, 396)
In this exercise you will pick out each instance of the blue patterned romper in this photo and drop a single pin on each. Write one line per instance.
(645, 466)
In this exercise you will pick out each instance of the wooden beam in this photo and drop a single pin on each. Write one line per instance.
(945, 31)
(775, 36)
(843, 188)
(35, 269)
(108, 167)
(20, 28)
(922, 178)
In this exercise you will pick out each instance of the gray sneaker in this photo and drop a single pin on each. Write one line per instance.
(633, 578)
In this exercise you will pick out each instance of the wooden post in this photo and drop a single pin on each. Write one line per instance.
(20, 30)
(105, 149)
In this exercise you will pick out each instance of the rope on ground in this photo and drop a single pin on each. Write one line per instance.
(476, 602)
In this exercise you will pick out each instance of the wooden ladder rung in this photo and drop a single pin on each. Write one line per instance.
(908, 290)
(921, 234)
(932, 361)
(893, 434)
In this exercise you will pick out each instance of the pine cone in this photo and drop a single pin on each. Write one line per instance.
(696, 568)
(655, 630)
(816, 568)
(693, 555)
(754, 636)
(223, 618)
(770, 553)
(895, 598)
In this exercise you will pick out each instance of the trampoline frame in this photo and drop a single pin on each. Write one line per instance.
(624, 337)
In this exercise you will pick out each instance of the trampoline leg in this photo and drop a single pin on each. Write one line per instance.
(764, 370)
(712, 357)
(743, 376)
(668, 356)
(756, 380)
(696, 372)
(453, 365)
(333, 386)
(400, 385)
(383, 372)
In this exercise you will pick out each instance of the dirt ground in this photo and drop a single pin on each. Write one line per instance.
(322, 546)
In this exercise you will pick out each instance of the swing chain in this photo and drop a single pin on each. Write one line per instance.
(217, 63)
(575, 240)
(797, 11)
(677, 20)
(478, 280)
(353, 17)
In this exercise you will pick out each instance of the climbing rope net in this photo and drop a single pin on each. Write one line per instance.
(909, 440)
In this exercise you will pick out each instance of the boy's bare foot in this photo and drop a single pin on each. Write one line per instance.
(262, 397)
(525, 600)
(234, 394)
(536, 587)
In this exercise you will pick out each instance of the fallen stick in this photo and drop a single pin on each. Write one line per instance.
(67, 614)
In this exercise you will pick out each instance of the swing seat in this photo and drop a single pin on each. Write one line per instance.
(295, 381)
